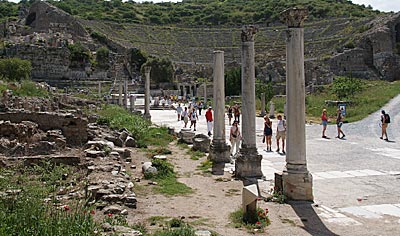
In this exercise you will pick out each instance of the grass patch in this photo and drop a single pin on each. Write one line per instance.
(167, 180)
(140, 128)
(26, 88)
(205, 166)
(261, 220)
(160, 220)
(196, 155)
(24, 211)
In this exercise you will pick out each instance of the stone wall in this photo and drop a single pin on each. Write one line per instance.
(73, 128)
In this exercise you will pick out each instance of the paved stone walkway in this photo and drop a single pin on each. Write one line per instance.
(356, 179)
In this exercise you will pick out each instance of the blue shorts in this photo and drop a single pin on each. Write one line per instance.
(324, 122)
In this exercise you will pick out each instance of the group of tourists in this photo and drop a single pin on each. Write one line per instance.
(280, 133)
(192, 113)
(233, 111)
(384, 121)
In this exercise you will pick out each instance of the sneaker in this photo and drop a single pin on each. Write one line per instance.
(324, 136)
(386, 139)
(283, 152)
(343, 136)
(381, 137)
(277, 150)
(194, 129)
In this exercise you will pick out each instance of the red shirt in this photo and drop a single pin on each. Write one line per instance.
(209, 115)
(323, 117)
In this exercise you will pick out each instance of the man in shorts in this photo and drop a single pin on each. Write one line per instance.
(281, 133)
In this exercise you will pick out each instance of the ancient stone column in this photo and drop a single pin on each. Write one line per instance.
(125, 93)
(219, 150)
(271, 110)
(297, 180)
(205, 95)
(248, 163)
(120, 94)
(147, 70)
(132, 102)
(99, 89)
(262, 113)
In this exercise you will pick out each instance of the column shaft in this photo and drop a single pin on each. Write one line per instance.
(147, 93)
(295, 97)
(248, 96)
(219, 97)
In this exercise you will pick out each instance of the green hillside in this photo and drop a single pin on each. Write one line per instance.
(198, 12)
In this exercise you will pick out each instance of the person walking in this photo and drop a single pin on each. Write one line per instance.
(230, 114)
(339, 123)
(267, 132)
(201, 106)
(236, 112)
(324, 119)
(193, 119)
(209, 119)
(185, 116)
(179, 111)
(385, 120)
(235, 138)
(281, 133)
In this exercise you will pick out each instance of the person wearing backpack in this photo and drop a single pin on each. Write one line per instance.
(385, 119)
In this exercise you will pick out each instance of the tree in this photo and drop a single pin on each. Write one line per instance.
(233, 82)
(345, 87)
(102, 57)
(15, 69)
(266, 88)
(161, 70)
(137, 57)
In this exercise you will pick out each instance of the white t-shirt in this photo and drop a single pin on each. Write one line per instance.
(281, 125)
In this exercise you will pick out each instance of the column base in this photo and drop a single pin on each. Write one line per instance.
(219, 152)
(147, 116)
(297, 185)
(248, 164)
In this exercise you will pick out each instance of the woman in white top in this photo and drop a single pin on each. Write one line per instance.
(281, 133)
(235, 137)
(185, 117)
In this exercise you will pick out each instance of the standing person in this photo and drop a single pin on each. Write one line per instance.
(268, 132)
(236, 112)
(193, 119)
(185, 116)
(281, 133)
(200, 107)
(385, 120)
(230, 114)
(234, 137)
(339, 123)
(179, 111)
(324, 119)
(209, 119)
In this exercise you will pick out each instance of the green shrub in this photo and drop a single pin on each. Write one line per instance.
(345, 87)
(15, 69)
(30, 89)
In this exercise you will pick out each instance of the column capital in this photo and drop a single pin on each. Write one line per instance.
(294, 17)
(248, 32)
(147, 69)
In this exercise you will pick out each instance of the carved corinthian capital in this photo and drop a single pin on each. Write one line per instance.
(248, 33)
(294, 17)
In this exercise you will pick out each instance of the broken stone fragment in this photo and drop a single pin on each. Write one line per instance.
(113, 209)
(130, 142)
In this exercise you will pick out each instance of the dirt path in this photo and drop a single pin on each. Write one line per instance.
(214, 197)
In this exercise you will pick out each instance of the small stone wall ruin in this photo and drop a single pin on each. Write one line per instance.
(73, 128)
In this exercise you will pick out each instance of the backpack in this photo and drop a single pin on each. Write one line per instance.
(387, 118)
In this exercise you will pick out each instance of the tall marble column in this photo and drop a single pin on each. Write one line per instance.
(248, 163)
(219, 150)
(147, 115)
(297, 180)
(263, 113)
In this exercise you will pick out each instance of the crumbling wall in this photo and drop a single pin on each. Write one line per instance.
(73, 128)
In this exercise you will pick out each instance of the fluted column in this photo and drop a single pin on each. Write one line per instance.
(297, 181)
(248, 163)
(219, 150)
(147, 70)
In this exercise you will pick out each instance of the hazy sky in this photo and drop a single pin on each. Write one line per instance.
(383, 5)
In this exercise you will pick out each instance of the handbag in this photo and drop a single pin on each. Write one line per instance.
(263, 140)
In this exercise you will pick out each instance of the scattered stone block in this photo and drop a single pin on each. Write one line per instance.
(113, 209)
(249, 203)
(147, 168)
(160, 157)
(130, 142)
(186, 136)
(201, 143)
